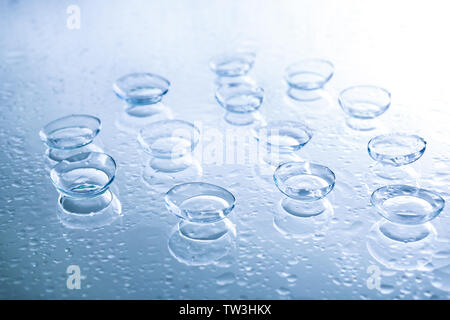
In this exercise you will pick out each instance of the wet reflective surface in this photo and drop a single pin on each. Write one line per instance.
(50, 71)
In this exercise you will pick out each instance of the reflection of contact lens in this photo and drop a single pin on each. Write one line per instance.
(200, 252)
(302, 227)
(56, 155)
(87, 213)
(205, 232)
(400, 247)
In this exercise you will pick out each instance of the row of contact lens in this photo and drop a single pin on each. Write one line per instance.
(406, 208)
(83, 180)
(239, 94)
(362, 104)
(305, 184)
(170, 142)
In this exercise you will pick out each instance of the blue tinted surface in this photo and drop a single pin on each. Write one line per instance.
(48, 71)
